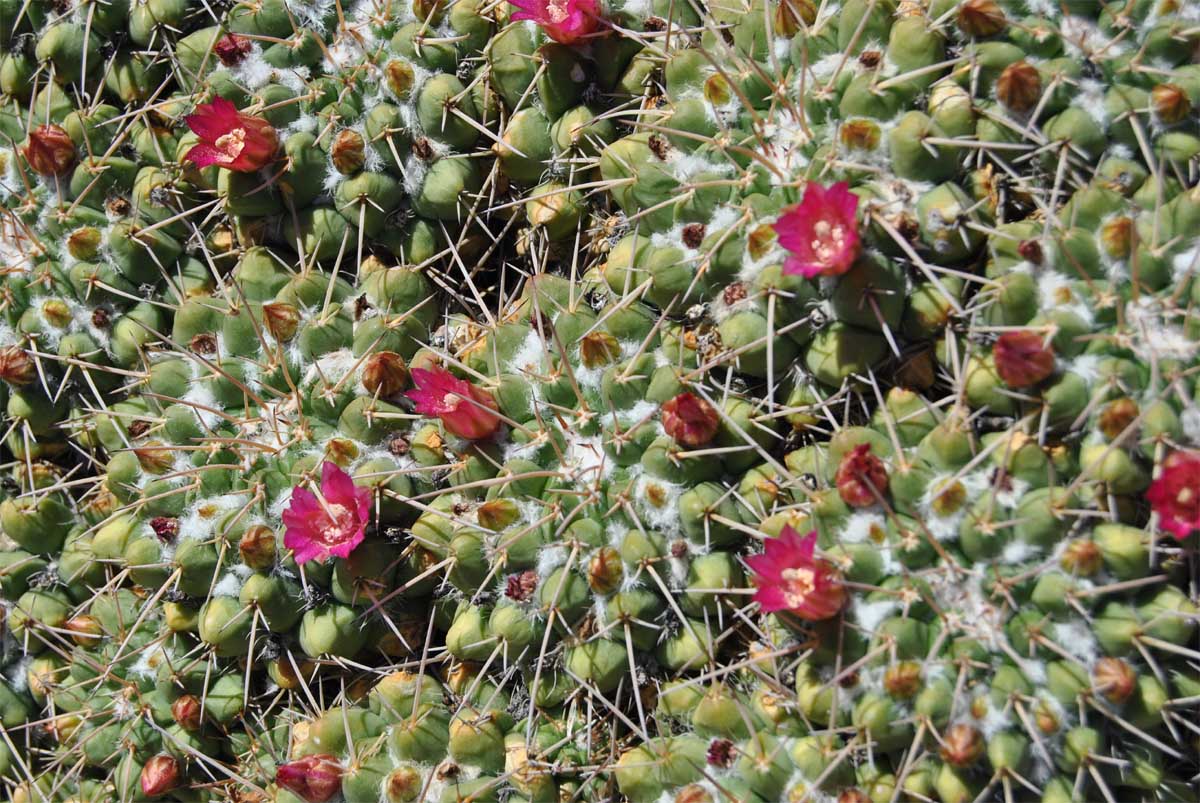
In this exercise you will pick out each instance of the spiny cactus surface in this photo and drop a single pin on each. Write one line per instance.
(634, 401)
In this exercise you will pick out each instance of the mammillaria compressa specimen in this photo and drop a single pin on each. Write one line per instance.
(642, 402)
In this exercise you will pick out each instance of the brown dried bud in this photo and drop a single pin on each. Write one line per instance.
(1031, 251)
(853, 795)
(165, 527)
(385, 374)
(902, 680)
(1170, 103)
(257, 547)
(348, 152)
(860, 134)
(1117, 416)
(679, 548)
(187, 712)
(693, 793)
(422, 148)
(1019, 87)
(733, 293)
(137, 429)
(160, 775)
(84, 629)
(659, 146)
(605, 571)
(84, 243)
(870, 58)
(231, 49)
(1045, 719)
(693, 234)
(281, 320)
(981, 18)
(204, 343)
(16, 366)
(497, 514)
(520, 587)
(50, 151)
(1114, 678)
(598, 348)
(101, 318)
(962, 745)
(1116, 237)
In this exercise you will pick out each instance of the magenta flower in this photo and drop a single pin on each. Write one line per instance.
(465, 410)
(1175, 495)
(332, 524)
(564, 21)
(789, 578)
(229, 139)
(821, 231)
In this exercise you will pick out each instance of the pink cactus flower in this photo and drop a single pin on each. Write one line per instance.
(564, 21)
(331, 525)
(314, 779)
(789, 578)
(690, 420)
(1022, 358)
(1175, 495)
(465, 410)
(229, 139)
(821, 231)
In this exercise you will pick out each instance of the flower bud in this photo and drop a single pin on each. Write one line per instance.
(385, 374)
(50, 151)
(400, 78)
(1117, 416)
(962, 745)
(1114, 679)
(257, 547)
(314, 779)
(1019, 87)
(862, 477)
(186, 712)
(160, 775)
(1170, 103)
(690, 420)
(403, 785)
(605, 571)
(598, 348)
(281, 320)
(85, 630)
(84, 243)
(1082, 557)
(231, 49)
(497, 514)
(981, 18)
(348, 152)
(1023, 359)
(902, 680)
(16, 366)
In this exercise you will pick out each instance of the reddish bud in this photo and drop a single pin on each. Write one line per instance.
(981, 18)
(231, 49)
(165, 527)
(862, 477)
(721, 753)
(16, 366)
(160, 775)
(281, 320)
(690, 420)
(385, 374)
(1022, 359)
(50, 151)
(520, 587)
(186, 712)
(1019, 87)
(348, 152)
(85, 630)
(1114, 678)
(1170, 103)
(312, 778)
(962, 745)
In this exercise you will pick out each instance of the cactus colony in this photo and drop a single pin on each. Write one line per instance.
(663, 402)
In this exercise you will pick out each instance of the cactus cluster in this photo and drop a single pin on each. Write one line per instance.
(581, 400)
